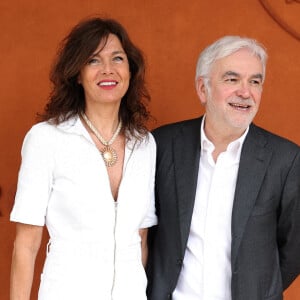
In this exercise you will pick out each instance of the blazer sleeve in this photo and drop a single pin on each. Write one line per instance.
(288, 231)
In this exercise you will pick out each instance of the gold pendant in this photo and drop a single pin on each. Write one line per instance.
(109, 155)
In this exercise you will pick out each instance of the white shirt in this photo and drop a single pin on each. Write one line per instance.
(63, 183)
(206, 270)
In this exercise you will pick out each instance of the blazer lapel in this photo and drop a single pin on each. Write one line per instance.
(186, 163)
(253, 165)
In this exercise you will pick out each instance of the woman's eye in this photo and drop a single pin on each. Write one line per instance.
(118, 58)
(93, 61)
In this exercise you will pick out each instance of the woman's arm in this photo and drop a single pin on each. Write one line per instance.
(26, 246)
(144, 233)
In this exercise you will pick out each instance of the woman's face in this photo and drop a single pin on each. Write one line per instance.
(105, 77)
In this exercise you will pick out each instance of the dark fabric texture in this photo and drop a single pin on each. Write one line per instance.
(265, 256)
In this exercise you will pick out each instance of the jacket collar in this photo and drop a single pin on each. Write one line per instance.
(186, 145)
(254, 161)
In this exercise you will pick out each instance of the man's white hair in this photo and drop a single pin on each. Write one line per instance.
(225, 47)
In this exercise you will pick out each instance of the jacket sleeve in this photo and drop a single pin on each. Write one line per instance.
(288, 231)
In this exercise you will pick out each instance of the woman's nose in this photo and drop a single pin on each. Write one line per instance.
(107, 68)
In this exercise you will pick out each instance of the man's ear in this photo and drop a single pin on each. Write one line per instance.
(201, 90)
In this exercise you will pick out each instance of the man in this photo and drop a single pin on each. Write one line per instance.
(227, 191)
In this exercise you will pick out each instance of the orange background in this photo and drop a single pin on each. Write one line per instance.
(171, 34)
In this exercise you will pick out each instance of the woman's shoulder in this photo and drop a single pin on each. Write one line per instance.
(39, 136)
(50, 128)
(148, 140)
(144, 143)
(41, 130)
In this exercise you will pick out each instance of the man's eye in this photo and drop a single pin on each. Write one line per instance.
(231, 80)
(255, 82)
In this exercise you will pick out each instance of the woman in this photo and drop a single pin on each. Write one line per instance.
(87, 173)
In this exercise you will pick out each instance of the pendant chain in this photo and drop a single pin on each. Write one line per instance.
(97, 133)
(108, 153)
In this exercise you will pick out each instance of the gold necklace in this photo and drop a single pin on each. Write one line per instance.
(108, 153)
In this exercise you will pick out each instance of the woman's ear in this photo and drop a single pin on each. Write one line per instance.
(78, 79)
(201, 90)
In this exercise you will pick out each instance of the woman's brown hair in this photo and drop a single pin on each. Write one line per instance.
(67, 96)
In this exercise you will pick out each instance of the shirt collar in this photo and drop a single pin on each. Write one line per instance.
(74, 125)
(234, 148)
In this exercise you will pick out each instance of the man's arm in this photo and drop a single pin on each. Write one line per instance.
(289, 226)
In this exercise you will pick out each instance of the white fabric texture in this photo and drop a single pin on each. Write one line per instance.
(94, 250)
(206, 271)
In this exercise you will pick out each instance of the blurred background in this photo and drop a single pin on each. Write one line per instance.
(171, 35)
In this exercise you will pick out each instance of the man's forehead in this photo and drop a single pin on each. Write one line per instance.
(240, 62)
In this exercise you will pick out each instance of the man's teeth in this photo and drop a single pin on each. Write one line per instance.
(239, 105)
(107, 83)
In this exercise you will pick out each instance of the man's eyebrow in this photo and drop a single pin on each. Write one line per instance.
(230, 73)
(259, 76)
(235, 74)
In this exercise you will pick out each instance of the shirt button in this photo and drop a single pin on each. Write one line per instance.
(169, 296)
(179, 262)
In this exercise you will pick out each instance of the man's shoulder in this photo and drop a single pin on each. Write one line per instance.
(169, 130)
(274, 140)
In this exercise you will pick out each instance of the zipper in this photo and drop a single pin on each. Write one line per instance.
(115, 224)
(115, 246)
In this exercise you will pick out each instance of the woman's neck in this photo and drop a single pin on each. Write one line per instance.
(104, 118)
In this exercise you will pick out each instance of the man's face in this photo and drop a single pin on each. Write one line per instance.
(233, 97)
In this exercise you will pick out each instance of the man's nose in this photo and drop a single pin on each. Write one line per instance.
(243, 90)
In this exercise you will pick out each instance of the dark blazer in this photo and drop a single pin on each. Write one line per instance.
(265, 248)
